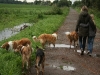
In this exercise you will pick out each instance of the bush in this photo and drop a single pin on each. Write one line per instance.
(55, 10)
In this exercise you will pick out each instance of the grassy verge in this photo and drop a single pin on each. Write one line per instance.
(10, 63)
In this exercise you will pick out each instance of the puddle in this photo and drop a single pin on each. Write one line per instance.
(66, 68)
(8, 32)
(79, 51)
(62, 45)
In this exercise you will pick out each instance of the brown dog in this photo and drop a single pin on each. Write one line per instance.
(40, 60)
(23, 41)
(73, 37)
(26, 52)
(12, 45)
(46, 38)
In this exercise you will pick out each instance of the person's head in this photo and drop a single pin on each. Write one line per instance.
(84, 8)
(92, 16)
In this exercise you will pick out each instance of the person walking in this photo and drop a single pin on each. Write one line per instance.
(91, 36)
(82, 27)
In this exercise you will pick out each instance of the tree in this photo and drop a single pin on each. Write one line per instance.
(62, 3)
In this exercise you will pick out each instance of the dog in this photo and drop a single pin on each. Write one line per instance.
(12, 45)
(73, 37)
(24, 42)
(40, 60)
(46, 38)
(25, 52)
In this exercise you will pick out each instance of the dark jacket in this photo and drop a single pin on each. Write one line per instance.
(84, 18)
(91, 31)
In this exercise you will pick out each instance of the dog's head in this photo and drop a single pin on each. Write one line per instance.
(5, 46)
(19, 48)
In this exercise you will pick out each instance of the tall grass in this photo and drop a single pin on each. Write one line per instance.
(13, 14)
(10, 62)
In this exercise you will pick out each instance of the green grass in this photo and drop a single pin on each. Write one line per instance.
(10, 63)
(13, 14)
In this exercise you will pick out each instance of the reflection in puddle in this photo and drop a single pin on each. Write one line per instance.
(8, 32)
(62, 45)
(66, 68)
(79, 51)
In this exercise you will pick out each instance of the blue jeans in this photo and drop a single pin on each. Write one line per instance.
(82, 42)
(90, 43)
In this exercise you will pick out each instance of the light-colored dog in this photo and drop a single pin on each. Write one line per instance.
(40, 60)
(46, 38)
(73, 37)
(26, 52)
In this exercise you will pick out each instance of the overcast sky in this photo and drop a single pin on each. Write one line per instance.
(50, 0)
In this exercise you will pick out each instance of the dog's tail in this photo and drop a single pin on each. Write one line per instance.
(35, 39)
(67, 33)
(55, 35)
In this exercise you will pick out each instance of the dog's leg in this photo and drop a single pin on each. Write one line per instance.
(38, 71)
(43, 44)
(74, 45)
(53, 44)
(23, 62)
(70, 44)
(42, 65)
(42, 68)
(27, 64)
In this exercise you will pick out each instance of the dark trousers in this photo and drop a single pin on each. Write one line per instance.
(82, 42)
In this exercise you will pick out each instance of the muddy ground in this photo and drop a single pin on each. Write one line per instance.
(64, 61)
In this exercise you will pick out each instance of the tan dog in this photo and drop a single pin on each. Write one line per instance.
(40, 60)
(26, 52)
(73, 37)
(46, 38)
(12, 45)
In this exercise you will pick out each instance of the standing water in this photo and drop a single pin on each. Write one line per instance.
(8, 32)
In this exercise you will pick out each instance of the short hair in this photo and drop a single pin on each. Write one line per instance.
(84, 8)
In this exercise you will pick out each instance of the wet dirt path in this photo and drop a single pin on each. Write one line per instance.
(64, 61)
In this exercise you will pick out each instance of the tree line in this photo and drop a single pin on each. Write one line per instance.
(89, 3)
(11, 1)
(59, 3)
